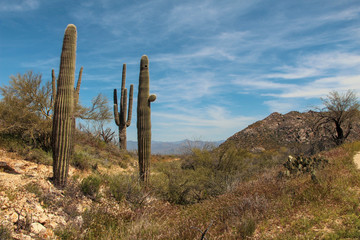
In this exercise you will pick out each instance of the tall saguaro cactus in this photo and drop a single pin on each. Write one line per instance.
(64, 108)
(144, 120)
(120, 117)
(76, 90)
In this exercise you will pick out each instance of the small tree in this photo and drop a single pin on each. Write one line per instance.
(25, 109)
(338, 115)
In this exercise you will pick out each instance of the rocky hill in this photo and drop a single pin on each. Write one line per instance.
(293, 130)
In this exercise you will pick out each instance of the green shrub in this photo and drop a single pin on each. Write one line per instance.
(5, 233)
(90, 186)
(32, 187)
(39, 156)
(80, 160)
(301, 165)
(246, 228)
(200, 175)
(126, 187)
(103, 222)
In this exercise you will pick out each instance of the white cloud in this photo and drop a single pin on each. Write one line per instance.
(187, 87)
(346, 14)
(209, 123)
(253, 83)
(19, 6)
(281, 106)
(321, 87)
(42, 64)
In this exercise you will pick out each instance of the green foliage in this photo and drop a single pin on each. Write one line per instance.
(25, 109)
(103, 223)
(5, 233)
(246, 228)
(39, 156)
(34, 188)
(202, 175)
(300, 165)
(90, 186)
(80, 160)
(126, 187)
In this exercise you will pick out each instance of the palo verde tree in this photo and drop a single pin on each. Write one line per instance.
(338, 115)
(25, 109)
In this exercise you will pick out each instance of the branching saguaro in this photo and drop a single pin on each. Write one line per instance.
(64, 108)
(76, 101)
(144, 120)
(76, 90)
(121, 120)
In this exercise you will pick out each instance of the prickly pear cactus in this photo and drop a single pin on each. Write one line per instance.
(120, 117)
(64, 108)
(300, 165)
(144, 120)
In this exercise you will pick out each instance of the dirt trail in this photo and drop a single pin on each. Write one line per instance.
(357, 160)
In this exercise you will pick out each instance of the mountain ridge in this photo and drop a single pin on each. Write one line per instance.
(293, 130)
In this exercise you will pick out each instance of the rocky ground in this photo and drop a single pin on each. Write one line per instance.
(30, 205)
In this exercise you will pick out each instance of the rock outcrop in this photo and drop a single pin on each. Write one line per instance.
(294, 130)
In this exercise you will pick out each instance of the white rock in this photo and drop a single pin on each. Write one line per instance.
(41, 218)
(38, 208)
(37, 228)
(79, 221)
(14, 217)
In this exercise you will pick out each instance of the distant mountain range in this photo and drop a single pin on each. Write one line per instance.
(178, 147)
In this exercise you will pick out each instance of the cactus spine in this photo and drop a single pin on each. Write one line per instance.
(120, 117)
(144, 120)
(64, 108)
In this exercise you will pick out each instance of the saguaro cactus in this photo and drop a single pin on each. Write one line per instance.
(144, 120)
(120, 117)
(76, 90)
(64, 108)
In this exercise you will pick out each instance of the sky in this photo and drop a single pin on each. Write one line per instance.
(215, 66)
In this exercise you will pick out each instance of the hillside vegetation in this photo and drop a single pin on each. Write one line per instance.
(296, 131)
(232, 193)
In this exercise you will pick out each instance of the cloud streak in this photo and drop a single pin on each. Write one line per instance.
(19, 6)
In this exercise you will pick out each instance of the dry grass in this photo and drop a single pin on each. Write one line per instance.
(256, 204)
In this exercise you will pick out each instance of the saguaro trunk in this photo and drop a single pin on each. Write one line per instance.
(120, 117)
(63, 108)
(144, 120)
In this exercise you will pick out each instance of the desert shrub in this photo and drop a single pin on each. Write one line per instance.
(5, 233)
(39, 156)
(12, 143)
(203, 174)
(33, 187)
(246, 227)
(186, 186)
(104, 222)
(80, 160)
(301, 165)
(127, 187)
(90, 186)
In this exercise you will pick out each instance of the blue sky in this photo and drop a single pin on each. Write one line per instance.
(215, 66)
